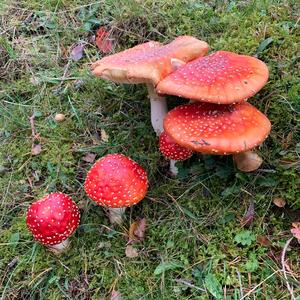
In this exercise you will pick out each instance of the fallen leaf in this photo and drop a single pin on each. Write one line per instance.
(104, 136)
(287, 140)
(263, 241)
(131, 252)
(89, 157)
(140, 229)
(36, 149)
(131, 230)
(115, 295)
(249, 216)
(296, 230)
(77, 52)
(280, 202)
(102, 40)
(136, 231)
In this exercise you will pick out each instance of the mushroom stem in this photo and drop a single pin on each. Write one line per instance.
(247, 161)
(116, 215)
(158, 109)
(173, 168)
(61, 247)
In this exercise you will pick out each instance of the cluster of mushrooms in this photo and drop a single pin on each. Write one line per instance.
(217, 120)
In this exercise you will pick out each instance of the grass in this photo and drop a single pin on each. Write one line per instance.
(195, 246)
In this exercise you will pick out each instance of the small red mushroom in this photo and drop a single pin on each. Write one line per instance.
(52, 220)
(220, 129)
(222, 77)
(173, 151)
(116, 182)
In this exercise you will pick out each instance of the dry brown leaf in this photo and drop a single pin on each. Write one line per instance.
(136, 231)
(89, 157)
(249, 216)
(279, 202)
(140, 229)
(115, 295)
(296, 230)
(104, 136)
(131, 230)
(103, 41)
(287, 140)
(131, 252)
(36, 149)
(263, 241)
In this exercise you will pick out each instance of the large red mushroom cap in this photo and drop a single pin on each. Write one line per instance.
(217, 129)
(172, 150)
(222, 77)
(116, 181)
(53, 218)
(148, 62)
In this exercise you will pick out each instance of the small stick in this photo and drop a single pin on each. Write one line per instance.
(189, 284)
(290, 288)
(258, 285)
(240, 283)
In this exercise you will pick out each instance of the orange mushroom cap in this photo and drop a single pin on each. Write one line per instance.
(116, 181)
(217, 129)
(222, 77)
(148, 62)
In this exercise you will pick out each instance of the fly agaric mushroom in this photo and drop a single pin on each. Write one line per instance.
(220, 129)
(222, 77)
(116, 182)
(52, 220)
(173, 151)
(149, 63)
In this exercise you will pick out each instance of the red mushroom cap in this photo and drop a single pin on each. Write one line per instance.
(172, 150)
(116, 181)
(148, 62)
(217, 129)
(222, 77)
(53, 218)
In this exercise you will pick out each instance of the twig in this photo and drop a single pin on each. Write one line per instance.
(258, 285)
(35, 147)
(34, 133)
(189, 284)
(290, 288)
(240, 283)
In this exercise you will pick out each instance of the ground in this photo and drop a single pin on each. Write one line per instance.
(195, 244)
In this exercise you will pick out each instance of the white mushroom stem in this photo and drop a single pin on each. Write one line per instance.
(61, 247)
(247, 161)
(158, 109)
(116, 215)
(173, 168)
